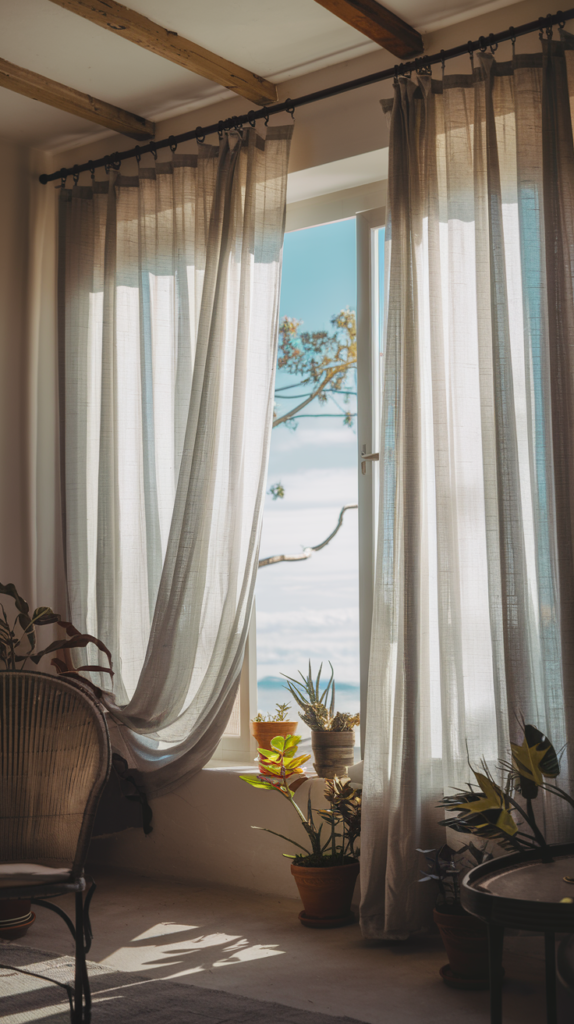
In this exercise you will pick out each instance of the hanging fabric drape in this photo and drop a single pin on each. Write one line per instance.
(169, 297)
(474, 597)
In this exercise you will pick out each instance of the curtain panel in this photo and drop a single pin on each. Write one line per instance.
(168, 314)
(474, 597)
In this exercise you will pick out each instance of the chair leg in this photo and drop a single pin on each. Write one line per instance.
(82, 996)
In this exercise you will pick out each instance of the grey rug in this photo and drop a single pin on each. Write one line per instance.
(29, 994)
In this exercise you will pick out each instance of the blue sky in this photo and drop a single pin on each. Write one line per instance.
(310, 609)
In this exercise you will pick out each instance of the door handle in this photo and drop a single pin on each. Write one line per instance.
(374, 457)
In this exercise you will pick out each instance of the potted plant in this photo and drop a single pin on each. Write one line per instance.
(464, 937)
(502, 812)
(326, 872)
(17, 647)
(275, 724)
(332, 734)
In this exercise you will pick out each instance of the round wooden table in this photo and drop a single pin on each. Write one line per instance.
(521, 891)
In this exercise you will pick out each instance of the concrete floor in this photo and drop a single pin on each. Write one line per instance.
(244, 942)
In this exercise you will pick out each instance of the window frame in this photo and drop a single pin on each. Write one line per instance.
(327, 209)
(368, 414)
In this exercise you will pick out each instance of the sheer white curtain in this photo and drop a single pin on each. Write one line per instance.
(474, 601)
(169, 295)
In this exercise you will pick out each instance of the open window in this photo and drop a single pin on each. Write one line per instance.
(320, 606)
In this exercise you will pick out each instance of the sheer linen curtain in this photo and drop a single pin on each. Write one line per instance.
(474, 602)
(169, 297)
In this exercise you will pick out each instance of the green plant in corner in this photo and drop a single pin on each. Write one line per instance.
(18, 640)
(445, 866)
(505, 812)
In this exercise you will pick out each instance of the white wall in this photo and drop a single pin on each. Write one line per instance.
(202, 832)
(14, 483)
(30, 548)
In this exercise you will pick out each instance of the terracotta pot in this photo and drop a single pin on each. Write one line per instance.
(326, 894)
(15, 918)
(334, 753)
(264, 732)
(465, 939)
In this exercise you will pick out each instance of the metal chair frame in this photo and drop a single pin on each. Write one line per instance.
(39, 895)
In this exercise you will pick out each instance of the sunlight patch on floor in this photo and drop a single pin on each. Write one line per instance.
(235, 950)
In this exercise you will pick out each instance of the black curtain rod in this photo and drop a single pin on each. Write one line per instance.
(288, 106)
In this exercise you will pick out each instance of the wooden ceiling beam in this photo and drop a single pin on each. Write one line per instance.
(376, 22)
(140, 30)
(28, 83)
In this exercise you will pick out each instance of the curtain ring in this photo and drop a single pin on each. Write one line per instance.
(116, 161)
(152, 149)
(75, 174)
(200, 134)
(471, 52)
(220, 129)
(542, 24)
(493, 46)
(513, 40)
(172, 143)
(482, 44)
(442, 61)
(106, 165)
(251, 118)
(562, 22)
(290, 109)
(266, 115)
(138, 154)
(396, 76)
(92, 170)
(63, 177)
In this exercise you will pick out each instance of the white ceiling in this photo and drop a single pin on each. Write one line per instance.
(272, 38)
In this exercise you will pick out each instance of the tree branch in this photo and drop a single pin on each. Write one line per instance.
(307, 552)
(329, 376)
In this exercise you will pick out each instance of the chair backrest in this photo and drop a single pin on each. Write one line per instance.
(55, 760)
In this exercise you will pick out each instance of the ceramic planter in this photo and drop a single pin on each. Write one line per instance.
(465, 939)
(326, 894)
(333, 753)
(265, 731)
(15, 918)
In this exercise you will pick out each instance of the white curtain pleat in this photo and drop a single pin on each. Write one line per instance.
(474, 595)
(168, 323)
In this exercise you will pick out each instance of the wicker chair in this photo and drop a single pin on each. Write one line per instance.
(55, 757)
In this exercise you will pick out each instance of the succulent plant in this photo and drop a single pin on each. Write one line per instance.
(279, 715)
(315, 712)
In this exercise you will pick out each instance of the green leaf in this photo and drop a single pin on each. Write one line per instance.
(256, 782)
(10, 589)
(44, 616)
(77, 639)
(279, 836)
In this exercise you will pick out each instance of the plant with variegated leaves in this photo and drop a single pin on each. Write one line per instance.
(278, 770)
(18, 640)
(502, 812)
